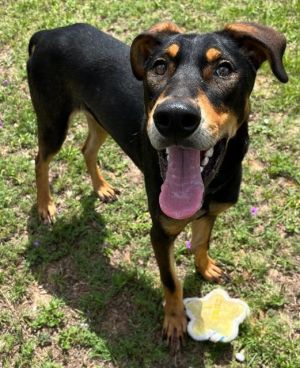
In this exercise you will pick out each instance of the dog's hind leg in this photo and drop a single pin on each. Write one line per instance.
(52, 130)
(94, 141)
(45, 204)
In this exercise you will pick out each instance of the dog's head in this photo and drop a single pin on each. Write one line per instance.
(197, 89)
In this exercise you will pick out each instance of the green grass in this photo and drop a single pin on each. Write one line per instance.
(85, 292)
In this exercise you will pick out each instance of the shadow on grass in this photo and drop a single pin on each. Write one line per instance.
(69, 259)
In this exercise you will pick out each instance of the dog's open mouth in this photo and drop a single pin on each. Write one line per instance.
(186, 173)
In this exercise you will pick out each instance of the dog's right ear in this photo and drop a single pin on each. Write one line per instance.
(144, 44)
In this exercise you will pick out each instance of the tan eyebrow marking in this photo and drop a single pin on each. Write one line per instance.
(172, 50)
(213, 54)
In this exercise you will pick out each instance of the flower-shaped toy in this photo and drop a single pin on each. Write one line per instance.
(216, 317)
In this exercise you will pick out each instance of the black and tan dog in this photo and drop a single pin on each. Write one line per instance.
(185, 125)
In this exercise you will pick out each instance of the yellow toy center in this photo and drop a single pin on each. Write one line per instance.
(215, 314)
(215, 317)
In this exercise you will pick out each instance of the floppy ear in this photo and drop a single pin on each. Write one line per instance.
(144, 44)
(260, 43)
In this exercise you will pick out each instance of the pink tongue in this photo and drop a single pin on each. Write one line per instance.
(182, 191)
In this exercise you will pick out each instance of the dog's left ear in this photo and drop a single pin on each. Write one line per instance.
(144, 44)
(260, 43)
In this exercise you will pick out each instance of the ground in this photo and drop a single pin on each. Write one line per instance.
(85, 292)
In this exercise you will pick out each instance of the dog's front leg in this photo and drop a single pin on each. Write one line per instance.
(175, 321)
(201, 234)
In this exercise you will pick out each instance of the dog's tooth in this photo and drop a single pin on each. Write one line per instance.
(167, 154)
(210, 152)
(205, 161)
(201, 169)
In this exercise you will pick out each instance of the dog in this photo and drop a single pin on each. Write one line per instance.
(177, 104)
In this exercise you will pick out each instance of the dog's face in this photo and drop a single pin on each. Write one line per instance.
(197, 89)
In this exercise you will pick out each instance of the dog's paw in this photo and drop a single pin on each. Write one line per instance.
(174, 330)
(47, 212)
(107, 193)
(209, 270)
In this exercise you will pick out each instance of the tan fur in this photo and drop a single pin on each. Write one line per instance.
(201, 233)
(220, 122)
(172, 50)
(216, 208)
(212, 54)
(94, 141)
(46, 207)
(159, 101)
(165, 27)
(175, 320)
(241, 27)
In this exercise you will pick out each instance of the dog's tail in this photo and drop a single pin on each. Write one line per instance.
(35, 39)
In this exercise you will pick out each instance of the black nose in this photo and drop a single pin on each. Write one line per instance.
(176, 119)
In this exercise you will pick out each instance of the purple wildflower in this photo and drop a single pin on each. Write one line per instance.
(36, 243)
(5, 83)
(188, 244)
(254, 211)
(1, 124)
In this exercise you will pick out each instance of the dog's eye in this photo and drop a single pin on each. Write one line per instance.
(160, 67)
(224, 69)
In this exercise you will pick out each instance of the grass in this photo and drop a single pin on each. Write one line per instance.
(85, 292)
